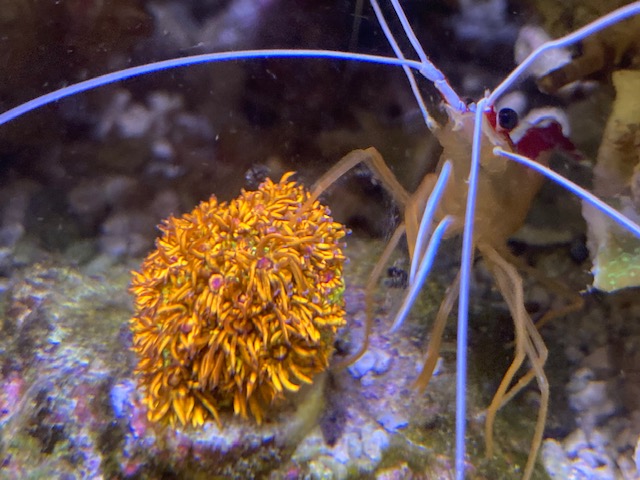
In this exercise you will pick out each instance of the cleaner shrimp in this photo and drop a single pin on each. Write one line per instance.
(446, 205)
(450, 202)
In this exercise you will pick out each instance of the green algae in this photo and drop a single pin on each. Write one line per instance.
(616, 264)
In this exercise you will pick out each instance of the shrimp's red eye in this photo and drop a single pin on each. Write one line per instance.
(507, 118)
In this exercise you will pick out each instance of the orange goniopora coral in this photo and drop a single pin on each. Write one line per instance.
(239, 303)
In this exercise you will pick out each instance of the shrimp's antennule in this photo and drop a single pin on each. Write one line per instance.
(428, 69)
(431, 123)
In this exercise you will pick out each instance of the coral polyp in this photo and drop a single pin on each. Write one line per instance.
(238, 304)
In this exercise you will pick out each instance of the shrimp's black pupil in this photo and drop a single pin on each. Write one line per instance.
(507, 118)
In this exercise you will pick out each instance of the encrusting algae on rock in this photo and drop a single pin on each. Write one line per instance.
(239, 303)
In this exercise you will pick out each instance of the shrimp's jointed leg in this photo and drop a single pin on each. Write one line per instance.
(372, 158)
(422, 244)
(433, 351)
(575, 300)
(529, 345)
(372, 282)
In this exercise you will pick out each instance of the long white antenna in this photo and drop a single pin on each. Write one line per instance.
(600, 24)
(127, 73)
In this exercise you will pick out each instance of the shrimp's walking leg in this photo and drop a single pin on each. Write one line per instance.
(576, 302)
(372, 158)
(431, 188)
(529, 345)
(435, 341)
(372, 282)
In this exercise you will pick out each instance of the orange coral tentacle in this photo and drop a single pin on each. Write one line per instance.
(219, 302)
